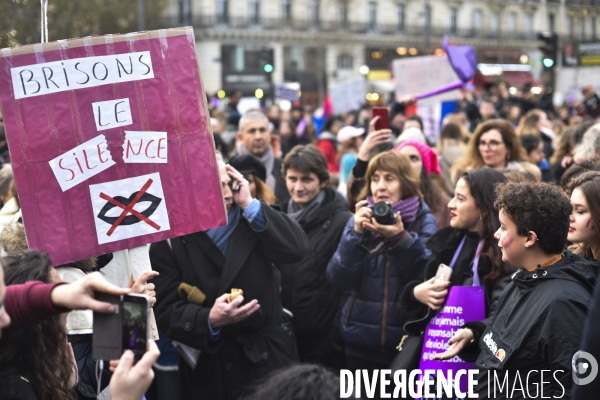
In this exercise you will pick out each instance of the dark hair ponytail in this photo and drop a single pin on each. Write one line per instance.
(481, 184)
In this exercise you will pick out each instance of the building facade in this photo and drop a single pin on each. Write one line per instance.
(319, 42)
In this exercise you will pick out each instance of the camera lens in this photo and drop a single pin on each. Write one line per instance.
(383, 213)
(380, 209)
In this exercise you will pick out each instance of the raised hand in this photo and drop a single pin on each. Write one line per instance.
(242, 196)
(373, 139)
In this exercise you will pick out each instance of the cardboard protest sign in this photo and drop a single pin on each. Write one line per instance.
(110, 142)
(422, 74)
(347, 95)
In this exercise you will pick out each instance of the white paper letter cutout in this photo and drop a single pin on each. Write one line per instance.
(81, 163)
(129, 207)
(112, 114)
(145, 147)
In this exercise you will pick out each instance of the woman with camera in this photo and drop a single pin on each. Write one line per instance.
(382, 247)
(468, 246)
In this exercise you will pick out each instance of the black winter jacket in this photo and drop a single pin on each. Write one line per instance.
(249, 349)
(537, 326)
(281, 192)
(591, 344)
(443, 244)
(305, 290)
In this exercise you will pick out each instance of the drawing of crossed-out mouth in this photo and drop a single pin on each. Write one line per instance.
(130, 219)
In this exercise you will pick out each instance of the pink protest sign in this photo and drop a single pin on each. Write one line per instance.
(110, 142)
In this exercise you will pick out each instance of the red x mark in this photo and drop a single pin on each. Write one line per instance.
(129, 209)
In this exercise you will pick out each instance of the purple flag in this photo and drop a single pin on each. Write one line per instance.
(464, 63)
(462, 59)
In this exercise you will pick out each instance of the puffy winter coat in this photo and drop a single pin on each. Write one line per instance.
(371, 323)
(537, 326)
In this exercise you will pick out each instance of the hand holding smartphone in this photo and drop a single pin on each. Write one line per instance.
(382, 113)
(443, 274)
(126, 329)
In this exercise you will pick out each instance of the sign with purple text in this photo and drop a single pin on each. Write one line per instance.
(110, 142)
(464, 304)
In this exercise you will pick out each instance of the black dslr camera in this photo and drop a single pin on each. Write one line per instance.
(383, 213)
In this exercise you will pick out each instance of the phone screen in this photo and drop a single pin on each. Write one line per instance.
(135, 325)
(382, 113)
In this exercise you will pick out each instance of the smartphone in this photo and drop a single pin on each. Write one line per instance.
(126, 329)
(382, 113)
(234, 185)
(443, 273)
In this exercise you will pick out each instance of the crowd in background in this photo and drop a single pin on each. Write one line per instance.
(507, 195)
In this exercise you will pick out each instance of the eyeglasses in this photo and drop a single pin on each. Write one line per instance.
(492, 144)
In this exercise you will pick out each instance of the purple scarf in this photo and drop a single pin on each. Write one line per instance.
(408, 208)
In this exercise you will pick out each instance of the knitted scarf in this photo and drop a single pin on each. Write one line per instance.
(220, 236)
(268, 159)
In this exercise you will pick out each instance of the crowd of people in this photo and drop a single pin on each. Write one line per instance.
(335, 234)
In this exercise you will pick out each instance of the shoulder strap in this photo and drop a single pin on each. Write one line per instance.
(416, 226)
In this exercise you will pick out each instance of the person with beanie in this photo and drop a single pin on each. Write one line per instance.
(412, 133)
(255, 173)
(424, 161)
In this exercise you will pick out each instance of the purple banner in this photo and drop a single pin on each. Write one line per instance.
(464, 304)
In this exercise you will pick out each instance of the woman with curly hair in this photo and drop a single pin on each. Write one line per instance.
(37, 361)
(495, 145)
(540, 315)
(470, 236)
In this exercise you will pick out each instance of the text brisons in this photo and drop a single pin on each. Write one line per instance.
(79, 73)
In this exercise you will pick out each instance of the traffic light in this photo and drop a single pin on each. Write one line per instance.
(549, 48)
(267, 60)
